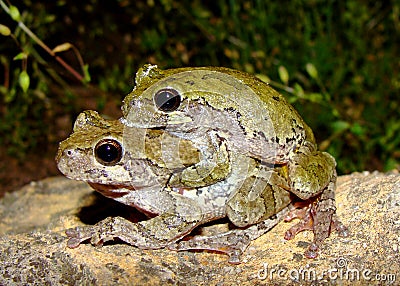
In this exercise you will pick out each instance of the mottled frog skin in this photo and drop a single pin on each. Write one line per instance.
(205, 103)
(251, 155)
(116, 159)
(135, 168)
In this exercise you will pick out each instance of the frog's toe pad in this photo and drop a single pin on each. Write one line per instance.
(306, 224)
(341, 229)
(76, 236)
(312, 251)
(73, 243)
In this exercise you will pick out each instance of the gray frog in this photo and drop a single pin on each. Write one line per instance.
(207, 105)
(252, 151)
(135, 166)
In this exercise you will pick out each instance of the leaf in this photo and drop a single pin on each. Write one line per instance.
(357, 129)
(248, 68)
(340, 126)
(24, 81)
(264, 78)
(14, 13)
(86, 74)
(314, 97)
(9, 95)
(4, 30)
(312, 70)
(391, 164)
(62, 48)
(20, 56)
(283, 74)
(299, 91)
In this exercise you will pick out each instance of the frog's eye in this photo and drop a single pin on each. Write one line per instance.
(167, 99)
(108, 152)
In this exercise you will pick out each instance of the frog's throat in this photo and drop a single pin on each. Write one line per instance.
(112, 191)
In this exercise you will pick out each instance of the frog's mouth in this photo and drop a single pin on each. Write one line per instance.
(112, 191)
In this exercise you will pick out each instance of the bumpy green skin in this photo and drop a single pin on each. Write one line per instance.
(254, 150)
(142, 178)
(253, 118)
(143, 162)
(266, 118)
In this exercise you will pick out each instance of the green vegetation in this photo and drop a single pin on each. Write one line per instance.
(337, 62)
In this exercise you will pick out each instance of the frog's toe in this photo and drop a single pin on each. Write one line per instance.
(73, 232)
(76, 236)
(235, 256)
(306, 224)
(341, 229)
(73, 242)
(312, 251)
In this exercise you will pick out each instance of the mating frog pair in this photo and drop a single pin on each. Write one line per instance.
(199, 144)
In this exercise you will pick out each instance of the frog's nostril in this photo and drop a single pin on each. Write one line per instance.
(68, 152)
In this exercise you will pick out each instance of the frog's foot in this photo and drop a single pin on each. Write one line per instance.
(78, 235)
(149, 234)
(306, 222)
(319, 217)
(103, 231)
(321, 233)
(110, 229)
(233, 242)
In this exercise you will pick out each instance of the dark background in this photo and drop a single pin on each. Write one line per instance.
(336, 61)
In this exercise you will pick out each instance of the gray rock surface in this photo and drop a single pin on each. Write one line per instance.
(33, 243)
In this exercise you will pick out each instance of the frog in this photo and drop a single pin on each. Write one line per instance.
(99, 153)
(134, 166)
(207, 105)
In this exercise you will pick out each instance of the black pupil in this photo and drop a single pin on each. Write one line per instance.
(108, 152)
(167, 100)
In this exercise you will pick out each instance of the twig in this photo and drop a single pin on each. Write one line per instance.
(38, 41)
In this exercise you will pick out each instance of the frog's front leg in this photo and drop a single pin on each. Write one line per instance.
(312, 174)
(154, 233)
(215, 164)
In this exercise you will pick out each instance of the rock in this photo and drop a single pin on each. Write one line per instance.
(33, 243)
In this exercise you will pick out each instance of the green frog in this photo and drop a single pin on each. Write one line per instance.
(99, 153)
(253, 153)
(209, 105)
(135, 166)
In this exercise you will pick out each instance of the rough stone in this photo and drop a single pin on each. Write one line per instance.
(33, 243)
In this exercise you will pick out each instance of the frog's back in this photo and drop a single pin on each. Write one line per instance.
(281, 112)
(288, 124)
(267, 119)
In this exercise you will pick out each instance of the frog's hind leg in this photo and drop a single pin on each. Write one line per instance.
(233, 242)
(319, 216)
